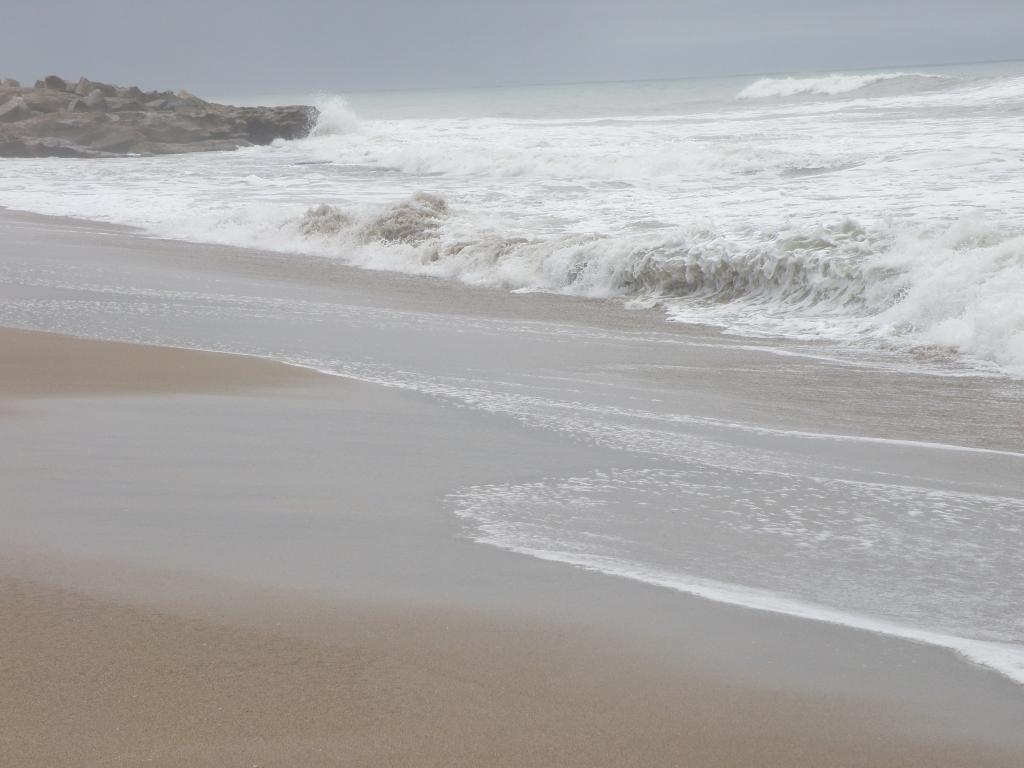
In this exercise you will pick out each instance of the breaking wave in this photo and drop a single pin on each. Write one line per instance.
(581, 152)
(827, 85)
(952, 290)
(335, 117)
(412, 221)
(835, 221)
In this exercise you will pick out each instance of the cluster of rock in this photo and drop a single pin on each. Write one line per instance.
(89, 119)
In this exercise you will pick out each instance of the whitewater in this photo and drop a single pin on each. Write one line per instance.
(880, 210)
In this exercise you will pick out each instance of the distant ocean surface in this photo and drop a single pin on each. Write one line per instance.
(870, 208)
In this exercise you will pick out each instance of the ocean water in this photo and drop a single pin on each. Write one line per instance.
(875, 209)
(881, 213)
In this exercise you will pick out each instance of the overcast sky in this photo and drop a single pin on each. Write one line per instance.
(264, 46)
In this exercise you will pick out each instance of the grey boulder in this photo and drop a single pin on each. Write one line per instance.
(14, 109)
(85, 86)
(95, 101)
(53, 83)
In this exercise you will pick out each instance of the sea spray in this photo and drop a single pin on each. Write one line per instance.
(954, 287)
(334, 118)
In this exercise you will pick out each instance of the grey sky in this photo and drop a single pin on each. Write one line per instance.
(258, 46)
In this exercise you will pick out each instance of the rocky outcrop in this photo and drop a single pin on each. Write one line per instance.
(92, 119)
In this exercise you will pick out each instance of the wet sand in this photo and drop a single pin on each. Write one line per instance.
(105, 662)
(48, 365)
(96, 682)
(210, 559)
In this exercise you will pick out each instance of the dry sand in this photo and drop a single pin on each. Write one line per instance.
(274, 681)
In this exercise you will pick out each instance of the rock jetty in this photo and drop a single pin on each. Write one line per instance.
(57, 118)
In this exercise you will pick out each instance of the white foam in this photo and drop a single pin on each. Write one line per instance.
(957, 289)
(881, 544)
(1004, 658)
(335, 117)
(814, 219)
(826, 85)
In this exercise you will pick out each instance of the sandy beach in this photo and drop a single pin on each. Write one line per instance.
(511, 385)
(107, 662)
(215, 559)
(97, 682)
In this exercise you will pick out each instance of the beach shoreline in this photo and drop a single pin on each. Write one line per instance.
(164, 502)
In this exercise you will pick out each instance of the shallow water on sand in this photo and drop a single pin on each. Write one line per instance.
(778, 475)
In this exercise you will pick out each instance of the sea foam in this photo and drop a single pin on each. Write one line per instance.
(826, 85)
(818, 217)
(956, 287)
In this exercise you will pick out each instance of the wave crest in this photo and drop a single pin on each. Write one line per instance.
(324, 219)
(955, 288)
(412, 221)
(827, 85)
